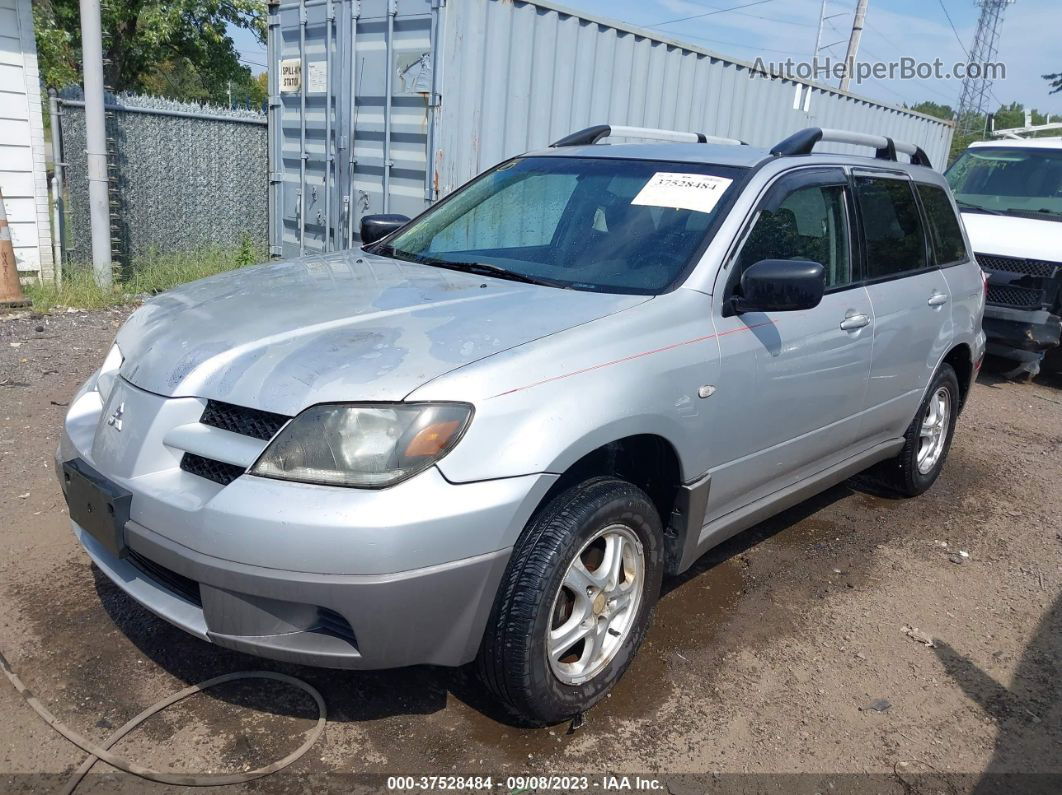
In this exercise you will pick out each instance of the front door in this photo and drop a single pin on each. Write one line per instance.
(791, 384)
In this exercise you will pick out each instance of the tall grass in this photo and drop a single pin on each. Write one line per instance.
(150, 274)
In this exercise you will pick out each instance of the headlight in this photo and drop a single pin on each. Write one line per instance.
(109, 371)
(367, 446)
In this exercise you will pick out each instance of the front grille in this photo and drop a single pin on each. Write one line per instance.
(184, 587)
(331, 623)
(1029, 267)
(248, 422)
(217, 471)
(1020, 297)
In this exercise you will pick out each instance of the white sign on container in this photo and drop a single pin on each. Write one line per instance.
(290, 75)
(316, 77)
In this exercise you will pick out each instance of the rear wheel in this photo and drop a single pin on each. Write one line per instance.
(575, 601)
(928, 439)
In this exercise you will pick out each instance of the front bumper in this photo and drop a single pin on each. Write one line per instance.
(327, 576)
(1020, 334)
(434, 615)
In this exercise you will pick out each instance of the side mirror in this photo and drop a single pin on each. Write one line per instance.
(780, 285)
(374, 227)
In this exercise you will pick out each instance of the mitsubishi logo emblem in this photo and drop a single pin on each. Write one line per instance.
(115, 420)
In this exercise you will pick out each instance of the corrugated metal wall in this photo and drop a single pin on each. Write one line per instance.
(519, 75)
(436, 91)
(350, 85)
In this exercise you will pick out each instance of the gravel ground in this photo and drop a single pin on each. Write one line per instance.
(782, 652)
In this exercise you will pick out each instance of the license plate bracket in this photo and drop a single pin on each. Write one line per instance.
(98, 505)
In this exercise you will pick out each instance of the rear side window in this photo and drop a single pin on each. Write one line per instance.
(948, 245)
(892, 227)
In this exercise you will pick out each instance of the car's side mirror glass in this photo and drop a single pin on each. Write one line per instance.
(375, 227)
(780, 285)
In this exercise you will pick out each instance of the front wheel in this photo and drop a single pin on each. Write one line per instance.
(575, 601)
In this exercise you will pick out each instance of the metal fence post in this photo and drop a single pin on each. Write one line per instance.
(96, 141)
(355, 14)
(58, 220)
(392, 11)
(303, 155)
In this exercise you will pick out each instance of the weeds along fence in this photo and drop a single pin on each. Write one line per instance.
(182, 177)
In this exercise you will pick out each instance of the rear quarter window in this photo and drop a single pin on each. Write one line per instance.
(946, 233)
(892, 227)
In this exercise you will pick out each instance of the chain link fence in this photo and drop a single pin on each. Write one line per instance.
(183, 177)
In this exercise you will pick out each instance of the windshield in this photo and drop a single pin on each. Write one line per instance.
(1009, 180)
(619, 226)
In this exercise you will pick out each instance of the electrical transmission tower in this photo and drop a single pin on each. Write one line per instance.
(977, 91)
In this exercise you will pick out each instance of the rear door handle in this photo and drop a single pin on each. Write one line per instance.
(938, 299)
(853, 322)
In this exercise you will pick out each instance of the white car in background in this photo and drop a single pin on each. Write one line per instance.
(1010, 195)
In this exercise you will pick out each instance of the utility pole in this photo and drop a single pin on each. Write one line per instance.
(818, 34)
(96, 141)
(977, 91)
(853, 42)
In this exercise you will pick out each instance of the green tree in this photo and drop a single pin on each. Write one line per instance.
(179, 49)
(1056, 82)
(934, 109)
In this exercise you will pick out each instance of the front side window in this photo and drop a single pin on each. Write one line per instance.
(808, 224)
(1021, 181)
(892, 227)
(605, 224)
(948, 245)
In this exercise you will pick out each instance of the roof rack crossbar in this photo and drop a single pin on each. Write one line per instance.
(803, 142)
(591, 135)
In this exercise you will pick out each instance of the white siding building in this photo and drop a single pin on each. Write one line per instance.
(23, 180)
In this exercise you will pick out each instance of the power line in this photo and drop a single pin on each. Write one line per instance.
(710, 13)
(742, 46)
(953, 30)
(797, 23)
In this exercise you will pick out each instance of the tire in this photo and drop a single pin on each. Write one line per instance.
(531, 603)
(906, 474)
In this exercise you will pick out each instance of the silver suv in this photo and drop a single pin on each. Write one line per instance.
(489, 434)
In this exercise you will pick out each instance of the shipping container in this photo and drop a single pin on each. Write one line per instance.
(383, 106)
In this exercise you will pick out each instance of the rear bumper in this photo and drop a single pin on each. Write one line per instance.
(434, 615)
(1020, 334)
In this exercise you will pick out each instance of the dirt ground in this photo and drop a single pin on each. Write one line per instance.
(782, 652)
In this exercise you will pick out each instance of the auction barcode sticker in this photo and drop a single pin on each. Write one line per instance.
(697, 192)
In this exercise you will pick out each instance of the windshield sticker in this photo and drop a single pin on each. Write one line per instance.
(697, 192)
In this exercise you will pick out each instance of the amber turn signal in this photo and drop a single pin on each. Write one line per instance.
(431, 439)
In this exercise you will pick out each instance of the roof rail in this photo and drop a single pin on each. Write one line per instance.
(591, 135)
(801, 143)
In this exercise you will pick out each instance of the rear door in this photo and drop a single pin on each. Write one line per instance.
(952, 256)
(792, 384)
(910, 299)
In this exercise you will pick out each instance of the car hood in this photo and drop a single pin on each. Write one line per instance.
(1011, 236)
(344, 327)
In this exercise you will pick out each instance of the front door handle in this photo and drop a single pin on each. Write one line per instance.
(938, 299)
(852, 322)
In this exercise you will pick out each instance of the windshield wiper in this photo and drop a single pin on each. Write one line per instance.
(487, 269)
(479, 268)
(977, 208)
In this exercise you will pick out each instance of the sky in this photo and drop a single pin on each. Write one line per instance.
(779, 29)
